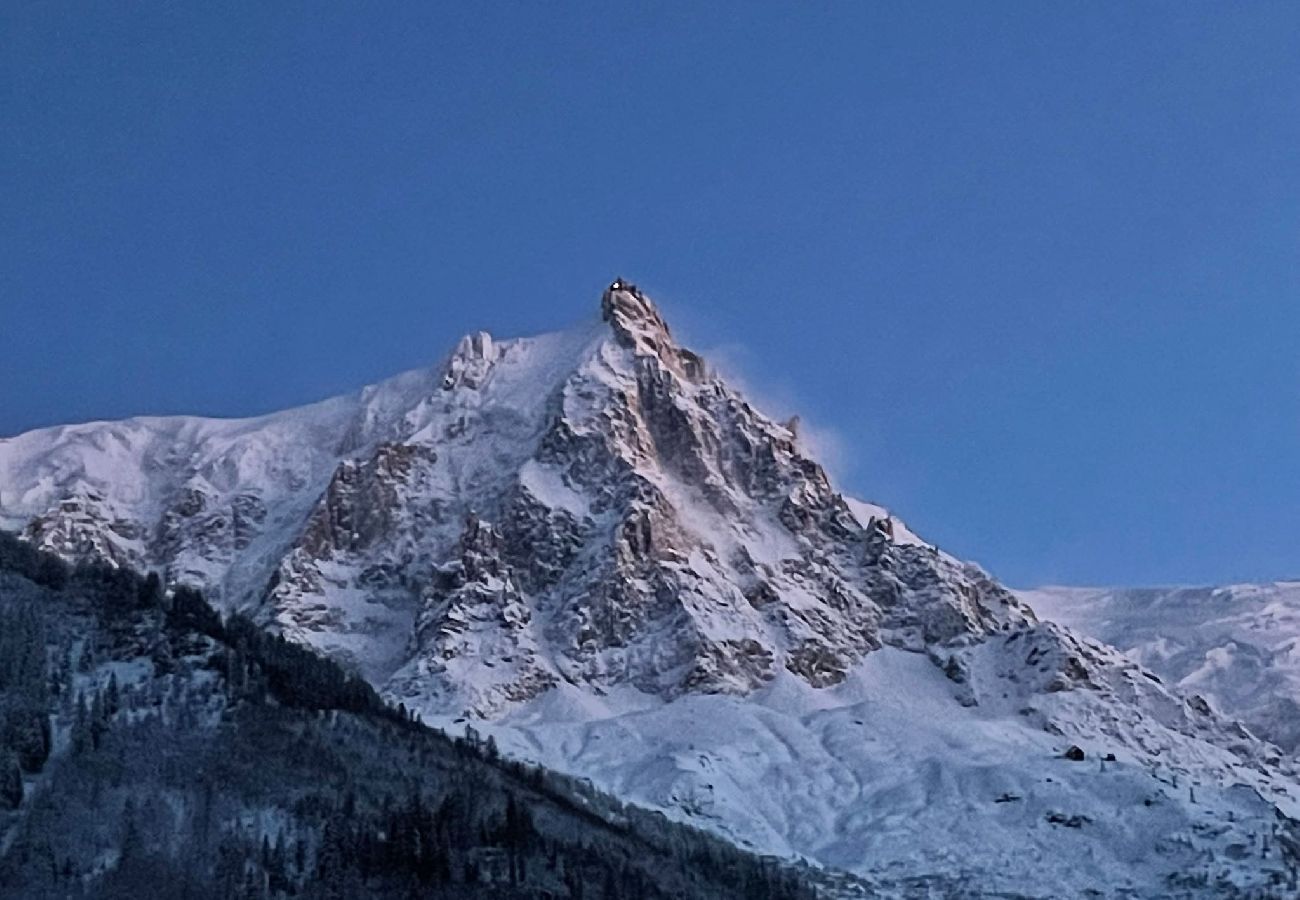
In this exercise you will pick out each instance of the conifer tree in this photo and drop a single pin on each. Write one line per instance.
(11, 781)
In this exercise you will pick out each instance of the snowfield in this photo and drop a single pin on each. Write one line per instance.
(889, 776)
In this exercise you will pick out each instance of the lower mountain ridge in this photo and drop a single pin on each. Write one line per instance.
(591, 548)
(1234, 646)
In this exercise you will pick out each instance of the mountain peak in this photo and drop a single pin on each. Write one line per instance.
(638, 326)
(632, 314)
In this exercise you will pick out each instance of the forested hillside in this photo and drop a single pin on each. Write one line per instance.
(148, 748)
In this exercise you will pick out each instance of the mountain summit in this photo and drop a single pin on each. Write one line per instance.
(593, 544)
(587, 507)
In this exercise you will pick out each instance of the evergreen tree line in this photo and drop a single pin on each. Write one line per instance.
(25, 735)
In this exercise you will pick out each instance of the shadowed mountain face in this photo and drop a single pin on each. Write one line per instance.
(591, 543)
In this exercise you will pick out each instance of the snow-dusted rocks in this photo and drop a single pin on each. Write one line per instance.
(82, 526)
(591, 543)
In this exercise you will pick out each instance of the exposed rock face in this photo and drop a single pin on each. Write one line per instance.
(82, 526)
(655, 531)
(632, 521)
(475, 626)
(202, 527)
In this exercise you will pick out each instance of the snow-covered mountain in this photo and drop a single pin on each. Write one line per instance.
(590, 542)
(1238, 646)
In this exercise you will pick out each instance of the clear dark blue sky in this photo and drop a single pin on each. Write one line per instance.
(1034, 266)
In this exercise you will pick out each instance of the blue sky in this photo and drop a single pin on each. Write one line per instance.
(1031, 269)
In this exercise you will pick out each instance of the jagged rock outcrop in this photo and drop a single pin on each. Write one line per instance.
(474, 630)
(82, 526)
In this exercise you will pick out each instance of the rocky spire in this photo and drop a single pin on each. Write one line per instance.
(471, 361)
(638, 326)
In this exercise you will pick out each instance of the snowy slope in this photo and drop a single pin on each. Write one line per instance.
(211, 500)
(887, 775)
(592, 545)
(1235, 645)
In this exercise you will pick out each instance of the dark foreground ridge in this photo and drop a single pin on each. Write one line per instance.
(150, 749)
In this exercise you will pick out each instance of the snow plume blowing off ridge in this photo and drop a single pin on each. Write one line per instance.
(736, 364)
(598, 549)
